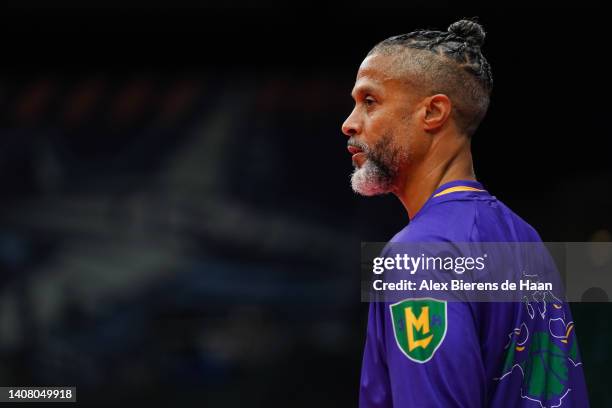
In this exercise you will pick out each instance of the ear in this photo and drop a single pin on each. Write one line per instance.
(437, 111)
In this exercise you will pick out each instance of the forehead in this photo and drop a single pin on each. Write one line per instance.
(377, 72)
(378, 65)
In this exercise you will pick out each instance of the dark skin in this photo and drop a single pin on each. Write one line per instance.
(421, 125)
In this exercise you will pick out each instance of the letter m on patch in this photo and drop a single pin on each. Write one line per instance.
(420, 324)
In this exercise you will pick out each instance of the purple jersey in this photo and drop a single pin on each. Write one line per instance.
(518, 354)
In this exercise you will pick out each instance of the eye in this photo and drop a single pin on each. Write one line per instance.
(369, 101)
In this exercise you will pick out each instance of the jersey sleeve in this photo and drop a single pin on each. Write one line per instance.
(375, 389)
(426, 354)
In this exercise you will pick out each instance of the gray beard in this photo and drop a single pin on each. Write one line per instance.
(379, 172)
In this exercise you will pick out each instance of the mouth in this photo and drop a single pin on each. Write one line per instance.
(354, 149)
(358, 154)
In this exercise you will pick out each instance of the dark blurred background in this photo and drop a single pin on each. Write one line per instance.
(177, 223)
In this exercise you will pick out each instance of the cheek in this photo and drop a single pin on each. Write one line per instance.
(416, 142)
(377, 125)
(410, 141)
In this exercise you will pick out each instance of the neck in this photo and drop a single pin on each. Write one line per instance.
(443, 163)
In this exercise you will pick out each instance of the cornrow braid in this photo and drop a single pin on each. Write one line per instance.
(461, 44)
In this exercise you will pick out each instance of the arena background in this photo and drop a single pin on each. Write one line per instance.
(177, 224)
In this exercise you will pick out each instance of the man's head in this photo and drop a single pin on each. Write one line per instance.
(410, 90)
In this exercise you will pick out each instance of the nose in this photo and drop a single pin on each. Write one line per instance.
(351, 125)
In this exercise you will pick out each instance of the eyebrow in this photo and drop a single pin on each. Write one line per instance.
(364, 89)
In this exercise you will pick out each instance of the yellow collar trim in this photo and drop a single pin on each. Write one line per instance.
(457, 188)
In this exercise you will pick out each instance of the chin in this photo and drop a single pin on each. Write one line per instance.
(366, 182)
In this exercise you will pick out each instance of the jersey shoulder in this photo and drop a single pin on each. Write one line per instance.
(468, 218)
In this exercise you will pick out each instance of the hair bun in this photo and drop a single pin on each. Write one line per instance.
(471, 31)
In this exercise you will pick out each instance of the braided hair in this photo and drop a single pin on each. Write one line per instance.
(449, 62)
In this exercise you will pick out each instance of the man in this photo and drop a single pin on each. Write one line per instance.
(419, 98)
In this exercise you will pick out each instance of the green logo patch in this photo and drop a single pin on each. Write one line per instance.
(419, 326)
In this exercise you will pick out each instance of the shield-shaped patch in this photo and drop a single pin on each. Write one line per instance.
(419, 326)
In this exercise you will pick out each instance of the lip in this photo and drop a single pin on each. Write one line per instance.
(359, 159)
(354, 150)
